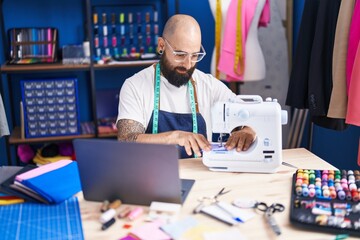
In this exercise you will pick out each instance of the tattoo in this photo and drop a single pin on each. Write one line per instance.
(129, 130)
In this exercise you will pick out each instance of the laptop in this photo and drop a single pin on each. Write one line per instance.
(135, 173)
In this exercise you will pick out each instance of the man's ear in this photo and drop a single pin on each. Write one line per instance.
(161, 44)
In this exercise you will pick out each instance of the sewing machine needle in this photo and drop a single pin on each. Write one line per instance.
(220, 140)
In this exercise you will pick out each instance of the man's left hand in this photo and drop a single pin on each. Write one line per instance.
(241, 139)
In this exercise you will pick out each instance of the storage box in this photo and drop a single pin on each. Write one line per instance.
(50, 107)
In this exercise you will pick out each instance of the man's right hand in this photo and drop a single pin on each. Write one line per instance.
(191, 141)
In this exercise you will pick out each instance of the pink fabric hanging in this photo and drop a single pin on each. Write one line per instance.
(228, 48)
(353, 111)
(354, 37)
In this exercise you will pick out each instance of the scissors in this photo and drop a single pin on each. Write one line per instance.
(269, 211)
(209, 200)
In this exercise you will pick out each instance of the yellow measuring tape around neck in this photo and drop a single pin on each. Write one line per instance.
(239, 58)
(218, 20)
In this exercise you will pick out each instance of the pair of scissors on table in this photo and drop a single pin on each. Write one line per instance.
(204, 201)
(268, 213)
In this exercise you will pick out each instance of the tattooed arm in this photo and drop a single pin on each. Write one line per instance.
(129, 130)
(133, 131)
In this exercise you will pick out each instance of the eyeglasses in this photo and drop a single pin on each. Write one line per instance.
(181, 56)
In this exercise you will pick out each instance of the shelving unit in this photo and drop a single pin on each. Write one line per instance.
(15, 138)
(56, 67)
(9, 71)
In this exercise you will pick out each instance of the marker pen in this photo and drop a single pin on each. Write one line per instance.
(131, 29)
(113, 18)
(140, 40)
(142, 50)
(127, 210)
(113, 38)
(95, 18)
(148, 40)
(155, 16)
(105, 43)
(125, 52)
(106, 216)
(114, 41)
(147, 17)
(137, 212)
(156, 29)
(121, 17)
(104, 206)
(107, 52)
(105, 30)
(96, 36)
(130, 18)
(104, 18)
(116, 53)
(139, 17)
(98, 52)
(122, 29)
(115, 204)
(108, 224)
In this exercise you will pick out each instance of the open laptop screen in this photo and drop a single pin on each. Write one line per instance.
(135, 173)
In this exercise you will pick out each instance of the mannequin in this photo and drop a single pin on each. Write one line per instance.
(224, 7)
(253, 13)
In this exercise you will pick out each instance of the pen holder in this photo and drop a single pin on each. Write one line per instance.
(33, 45)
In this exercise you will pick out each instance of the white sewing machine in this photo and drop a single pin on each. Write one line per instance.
(265, 117)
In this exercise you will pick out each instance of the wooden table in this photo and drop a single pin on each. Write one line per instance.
(268, 188)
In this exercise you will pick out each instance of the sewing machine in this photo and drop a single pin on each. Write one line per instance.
(265, 117)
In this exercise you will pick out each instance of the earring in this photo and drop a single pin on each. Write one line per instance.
(161, 52)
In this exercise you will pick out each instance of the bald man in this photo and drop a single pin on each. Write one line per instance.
(170, 102)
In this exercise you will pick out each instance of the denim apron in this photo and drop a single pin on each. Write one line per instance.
(163, 121)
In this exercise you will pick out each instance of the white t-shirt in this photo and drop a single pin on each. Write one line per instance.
(136, 100)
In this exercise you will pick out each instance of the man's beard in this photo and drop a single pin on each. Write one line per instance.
(175, 78)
